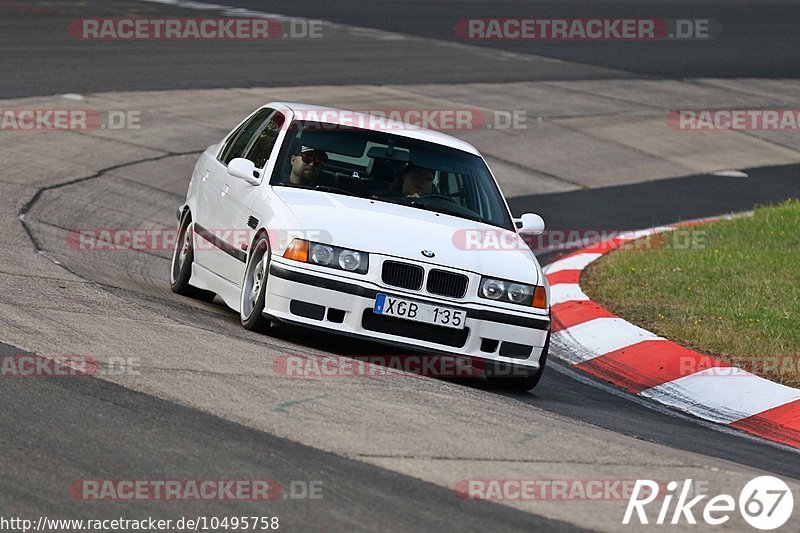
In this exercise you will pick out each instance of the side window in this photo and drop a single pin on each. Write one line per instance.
(262, 146)
(240, 140)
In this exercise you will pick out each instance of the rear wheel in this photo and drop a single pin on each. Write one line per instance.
(254, 287)
(515, 377)
(182, 259)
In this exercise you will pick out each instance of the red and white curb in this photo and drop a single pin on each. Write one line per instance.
(595, 341)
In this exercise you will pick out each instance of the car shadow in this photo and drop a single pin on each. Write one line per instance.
(454, 369)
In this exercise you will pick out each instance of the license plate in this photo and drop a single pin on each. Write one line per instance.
(419, 312)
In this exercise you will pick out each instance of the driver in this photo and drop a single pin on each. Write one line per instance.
(306, 165)
(414, 181)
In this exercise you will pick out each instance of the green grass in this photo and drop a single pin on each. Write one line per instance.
(729, 289)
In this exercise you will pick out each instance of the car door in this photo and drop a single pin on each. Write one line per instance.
(215, 248)
(235, 208)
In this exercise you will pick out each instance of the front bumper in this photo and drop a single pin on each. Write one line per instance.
(343, 305)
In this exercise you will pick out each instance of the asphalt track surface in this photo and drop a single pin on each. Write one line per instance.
(754, 39)
(108, 444)
(757, 39)
(110, 420)
(40, 441)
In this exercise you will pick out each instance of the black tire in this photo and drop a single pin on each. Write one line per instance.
(254, 286)
(181, 264)
(513, 377)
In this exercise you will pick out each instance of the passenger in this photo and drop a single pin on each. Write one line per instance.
(306, 165)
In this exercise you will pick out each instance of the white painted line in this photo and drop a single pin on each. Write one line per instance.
(566, 292)
(575, 262)
(601, 336)
(731, 174)
(725, 398)
(633, 235)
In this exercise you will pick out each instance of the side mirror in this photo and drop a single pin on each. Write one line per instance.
(244, 169)
(529, 223)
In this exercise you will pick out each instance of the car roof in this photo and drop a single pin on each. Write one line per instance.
(332, 115)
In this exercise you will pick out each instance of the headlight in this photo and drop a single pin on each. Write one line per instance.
(519, 293)
(350, 260)
(515, 293)
(327, 255)
(492, 288)
(321, 254)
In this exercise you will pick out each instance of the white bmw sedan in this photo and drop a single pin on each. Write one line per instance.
(381, 230)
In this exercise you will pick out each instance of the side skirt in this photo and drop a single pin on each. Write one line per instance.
(205, 279)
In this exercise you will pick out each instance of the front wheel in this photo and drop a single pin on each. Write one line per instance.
(182, 259)
(254, 287)
(513, 377)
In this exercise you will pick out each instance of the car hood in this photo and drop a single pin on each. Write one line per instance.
(404, 232)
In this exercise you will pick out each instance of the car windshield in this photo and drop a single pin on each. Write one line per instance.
(387, 167)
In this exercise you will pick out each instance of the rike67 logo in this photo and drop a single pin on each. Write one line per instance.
(765, 503)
